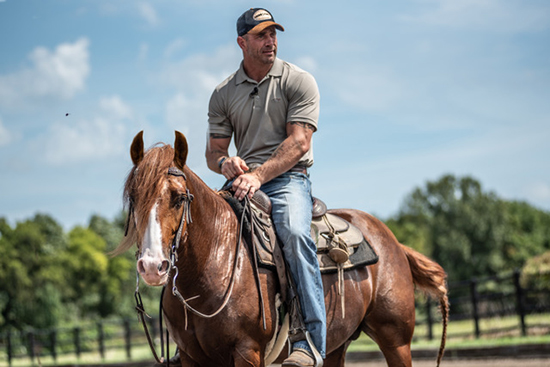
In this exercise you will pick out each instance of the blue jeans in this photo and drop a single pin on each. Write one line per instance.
(290, 194)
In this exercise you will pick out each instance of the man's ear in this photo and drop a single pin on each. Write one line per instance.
(241, 42)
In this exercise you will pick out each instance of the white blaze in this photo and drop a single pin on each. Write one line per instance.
(152, 240)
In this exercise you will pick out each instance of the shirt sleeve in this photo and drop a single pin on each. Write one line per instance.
(303, 99)
(218, 121)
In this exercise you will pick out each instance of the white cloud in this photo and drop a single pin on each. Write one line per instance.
(494, 15)
(200, 73)
(148, 13)
(307, 63)
(537, 191)
(177, 108)
(174, 46)
(53, 75)
(5, 135)
(143, 52)
(97, 138)
(116, 108)
(368, 87)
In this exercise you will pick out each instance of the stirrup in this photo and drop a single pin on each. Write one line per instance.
(316, 355)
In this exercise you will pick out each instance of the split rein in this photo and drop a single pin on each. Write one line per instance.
(185, 218)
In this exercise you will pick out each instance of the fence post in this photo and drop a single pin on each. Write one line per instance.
(520, 302)
(128, 338)
(9, 347)
(30, 336)
(429, 319)
(101, 339)
(475, 298)
(76, 337)
(53, 344)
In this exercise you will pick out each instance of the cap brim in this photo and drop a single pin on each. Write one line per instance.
(263, 25)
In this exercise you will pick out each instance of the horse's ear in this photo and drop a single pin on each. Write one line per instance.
(136, 150)
(180, 150)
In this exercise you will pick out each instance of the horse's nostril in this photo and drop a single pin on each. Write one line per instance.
(164, 266)
(140, 267)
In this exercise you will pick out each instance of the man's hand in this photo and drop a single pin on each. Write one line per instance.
(246, 184)
(233, 167)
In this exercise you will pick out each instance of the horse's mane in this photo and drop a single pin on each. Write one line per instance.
(145, 181)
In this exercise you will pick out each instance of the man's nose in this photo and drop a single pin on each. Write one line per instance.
(271, 40)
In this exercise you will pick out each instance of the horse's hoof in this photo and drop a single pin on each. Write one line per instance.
(299, 358)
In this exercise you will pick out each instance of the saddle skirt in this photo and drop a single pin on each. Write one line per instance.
(340, 244)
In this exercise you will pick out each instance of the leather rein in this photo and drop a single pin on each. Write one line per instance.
(185, 218)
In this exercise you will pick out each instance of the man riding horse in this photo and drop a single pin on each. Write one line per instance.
(271, 107)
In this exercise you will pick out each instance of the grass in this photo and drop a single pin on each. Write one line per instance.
(460, 334)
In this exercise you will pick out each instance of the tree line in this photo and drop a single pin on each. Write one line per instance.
(50, 278)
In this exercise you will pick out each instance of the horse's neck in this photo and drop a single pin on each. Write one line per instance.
(212, 235)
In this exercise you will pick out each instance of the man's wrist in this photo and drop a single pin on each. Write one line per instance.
(221, 162)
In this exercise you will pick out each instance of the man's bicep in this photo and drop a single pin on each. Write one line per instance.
(300, 128)
(218, 143)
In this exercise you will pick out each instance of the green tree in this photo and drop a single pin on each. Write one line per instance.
(86, 264)
(30, 278)
(116, 292)
(468, 231)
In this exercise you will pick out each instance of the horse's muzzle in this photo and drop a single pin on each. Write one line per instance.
(153, 271)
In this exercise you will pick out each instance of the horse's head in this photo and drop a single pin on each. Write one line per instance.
(158, 200)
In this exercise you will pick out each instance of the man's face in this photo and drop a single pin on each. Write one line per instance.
(260, 47)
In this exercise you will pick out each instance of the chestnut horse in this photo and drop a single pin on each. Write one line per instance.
(188, 238)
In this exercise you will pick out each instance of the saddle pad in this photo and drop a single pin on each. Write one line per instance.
(360, 251)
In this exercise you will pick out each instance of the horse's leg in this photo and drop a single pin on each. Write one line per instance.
(393, 334)
(398, 356)
(247, 358)
(337, 358)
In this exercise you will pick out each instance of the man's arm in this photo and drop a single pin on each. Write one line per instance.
(218, 149)
(286, 156)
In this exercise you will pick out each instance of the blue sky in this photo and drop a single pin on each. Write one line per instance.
(410, 90)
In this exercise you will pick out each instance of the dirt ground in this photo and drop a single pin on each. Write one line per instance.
(464, 363)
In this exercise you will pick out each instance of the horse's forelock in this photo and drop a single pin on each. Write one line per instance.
(145, 182)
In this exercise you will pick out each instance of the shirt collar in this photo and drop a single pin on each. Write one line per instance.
(275, 71)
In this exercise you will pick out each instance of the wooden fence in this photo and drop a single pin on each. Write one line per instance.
(474, 300)
(489, 298)
(89, 337)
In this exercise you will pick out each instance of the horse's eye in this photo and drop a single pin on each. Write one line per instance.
(178, 201)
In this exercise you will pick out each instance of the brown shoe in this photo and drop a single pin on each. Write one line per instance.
(299, 358)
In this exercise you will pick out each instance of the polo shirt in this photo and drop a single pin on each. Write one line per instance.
(256, 114)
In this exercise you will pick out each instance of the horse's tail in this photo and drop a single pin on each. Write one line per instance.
(430, 278)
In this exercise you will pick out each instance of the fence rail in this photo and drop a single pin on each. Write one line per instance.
(99, 338)
(495, 297)
(476, 300)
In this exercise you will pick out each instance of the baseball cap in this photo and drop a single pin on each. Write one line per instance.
(256, 20)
